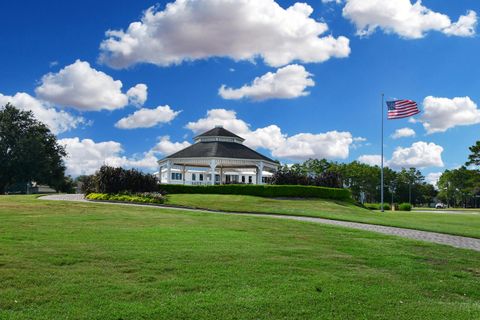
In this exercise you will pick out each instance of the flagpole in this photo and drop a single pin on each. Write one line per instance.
(381, 168)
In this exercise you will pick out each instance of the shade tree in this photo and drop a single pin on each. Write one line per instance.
(29, 151)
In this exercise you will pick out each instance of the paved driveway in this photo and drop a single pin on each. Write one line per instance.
(434, 237)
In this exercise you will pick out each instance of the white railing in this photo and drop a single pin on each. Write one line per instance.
(198, 183)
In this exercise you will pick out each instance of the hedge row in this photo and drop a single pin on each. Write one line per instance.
(135, 198)
(377, 206)
(272, 191)
(387, 207)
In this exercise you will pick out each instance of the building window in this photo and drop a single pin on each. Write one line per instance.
(243, 179)
(176, 176)
(250, 179)
(200, 177)
(194, 177)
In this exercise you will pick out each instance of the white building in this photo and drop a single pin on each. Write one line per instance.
(218, 156)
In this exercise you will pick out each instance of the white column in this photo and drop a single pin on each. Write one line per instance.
(169, 171)
(160, 174)
(213, 166)
(183, 174)
(260, 172)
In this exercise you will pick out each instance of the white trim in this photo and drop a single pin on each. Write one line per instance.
(220, 161)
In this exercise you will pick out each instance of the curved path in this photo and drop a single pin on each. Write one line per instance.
(440, 238)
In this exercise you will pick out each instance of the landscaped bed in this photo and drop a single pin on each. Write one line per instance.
(145, 197)
(96, 261)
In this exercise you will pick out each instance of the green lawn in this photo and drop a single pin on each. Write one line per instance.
(458, 224)
(62, 260)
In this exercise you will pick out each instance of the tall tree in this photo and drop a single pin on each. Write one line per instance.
(474, 157)
(459, 187)
(408, 182)
(28, 150)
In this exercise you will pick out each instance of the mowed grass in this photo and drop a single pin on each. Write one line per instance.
(457, 224)
(62, 260)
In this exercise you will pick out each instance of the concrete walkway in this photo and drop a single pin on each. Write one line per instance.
(443, 211)
(434, 237)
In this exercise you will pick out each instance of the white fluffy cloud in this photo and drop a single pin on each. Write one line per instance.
(433, 178)
(138, 95)
(167, 147)
(441, 114)
(330, 145)
(286, 83)
(371, 159)
(147, 118)
(403, 133)
(85, 156)
(80, 86)
(189, 30)
(419, 155)
(226, 118)
(57, 120)
(464, 27)
(408, 20)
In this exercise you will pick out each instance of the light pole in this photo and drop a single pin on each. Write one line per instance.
(392, 190)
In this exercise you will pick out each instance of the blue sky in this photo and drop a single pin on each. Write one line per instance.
(428, 54)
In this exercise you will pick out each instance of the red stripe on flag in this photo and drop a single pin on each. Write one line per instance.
(405, 105)
(403, 111)
(400, 116)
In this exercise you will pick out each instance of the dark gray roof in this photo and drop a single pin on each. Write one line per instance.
(219, 149)
(219, 132)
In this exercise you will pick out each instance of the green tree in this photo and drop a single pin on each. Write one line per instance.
(65, 185)
(474, 157)
(315, 167)
(360, 178)
(459, 187)
(426, 193)
(408, 182)
(28, 150)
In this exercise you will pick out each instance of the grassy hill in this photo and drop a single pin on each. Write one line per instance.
(94, 261)
(458, 224)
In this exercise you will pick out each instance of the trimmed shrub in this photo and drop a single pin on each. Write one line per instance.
(405, 207)
(134, 198)
(372, 206)
(118, 180)
(271, 191)
(377, 206)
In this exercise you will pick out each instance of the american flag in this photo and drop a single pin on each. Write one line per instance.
(399, 109)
